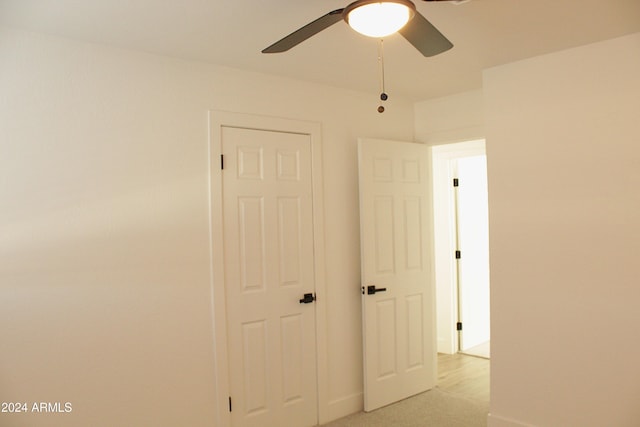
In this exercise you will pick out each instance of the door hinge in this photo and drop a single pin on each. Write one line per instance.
(458, 254)
(230, 407)
(458, 328)
(456, 182)
(221, 161)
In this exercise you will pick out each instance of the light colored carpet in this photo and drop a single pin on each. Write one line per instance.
(434, 408)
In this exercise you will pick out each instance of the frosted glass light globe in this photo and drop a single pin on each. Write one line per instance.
(379, 19)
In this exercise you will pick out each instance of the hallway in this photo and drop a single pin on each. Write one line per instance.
(461, 399)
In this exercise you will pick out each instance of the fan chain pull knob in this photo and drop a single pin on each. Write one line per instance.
(380, 109)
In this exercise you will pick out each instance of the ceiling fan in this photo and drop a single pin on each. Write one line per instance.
(376, 18)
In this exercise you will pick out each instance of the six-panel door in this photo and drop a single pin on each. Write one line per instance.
(395, 224)
(268, 252)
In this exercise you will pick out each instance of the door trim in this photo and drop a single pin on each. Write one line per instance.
(218, 120)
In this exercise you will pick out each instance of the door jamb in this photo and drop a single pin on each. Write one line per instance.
(218, 120)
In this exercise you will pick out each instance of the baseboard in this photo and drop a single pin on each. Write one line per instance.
(498, 421)
(344, 406)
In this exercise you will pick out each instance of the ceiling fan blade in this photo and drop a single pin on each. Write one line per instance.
(424, 36)
(305, 32)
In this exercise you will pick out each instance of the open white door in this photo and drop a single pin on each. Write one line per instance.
(398, 298)
(473, 243)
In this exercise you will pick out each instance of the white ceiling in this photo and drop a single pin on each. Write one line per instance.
(485, 33)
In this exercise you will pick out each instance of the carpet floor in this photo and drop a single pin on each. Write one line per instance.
(434, 408)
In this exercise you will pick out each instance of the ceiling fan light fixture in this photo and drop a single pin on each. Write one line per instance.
(379, 18)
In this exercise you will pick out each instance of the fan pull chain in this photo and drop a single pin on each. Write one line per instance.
(383, 95)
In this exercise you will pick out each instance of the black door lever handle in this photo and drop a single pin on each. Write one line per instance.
(371, 289)
(308, 299)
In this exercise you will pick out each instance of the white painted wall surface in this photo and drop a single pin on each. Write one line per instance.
(564, 172)
(105, 294)
(454, 118)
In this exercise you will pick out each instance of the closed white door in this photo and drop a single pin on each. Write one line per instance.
(398, 298)
(268, 255)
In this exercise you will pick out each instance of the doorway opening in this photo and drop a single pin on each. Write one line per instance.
(461, 248)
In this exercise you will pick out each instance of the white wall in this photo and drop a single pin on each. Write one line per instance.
(563, 150)
(454, 118)
(104, 259)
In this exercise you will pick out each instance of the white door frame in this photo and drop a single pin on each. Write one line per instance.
(218, 120)
(444, 238)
